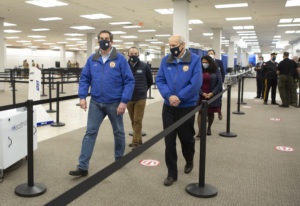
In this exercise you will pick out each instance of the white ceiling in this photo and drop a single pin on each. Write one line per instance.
(265, 19)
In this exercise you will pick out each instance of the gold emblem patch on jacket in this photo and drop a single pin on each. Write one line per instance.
(185, 68)
(112, 64)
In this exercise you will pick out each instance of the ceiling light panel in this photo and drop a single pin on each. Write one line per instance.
(96, 16)
(11, 31)
(120, 23)
(8, 24)
(238, 18)
(164, 11)
(40, 29)
(50, 19)
(291, 3)
(82, 27)
(46, 3)
(225, 6)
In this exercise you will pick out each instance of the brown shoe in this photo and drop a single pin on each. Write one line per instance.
(132, 145)
(169, 181)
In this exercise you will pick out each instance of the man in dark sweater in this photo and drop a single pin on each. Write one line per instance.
(143, 80)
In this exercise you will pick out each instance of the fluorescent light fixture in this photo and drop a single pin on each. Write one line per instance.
(129, 43)
(291, 3)
(290, 32)
(156, 42)
(61, 42)
(144, 45)
(162, 35)
(36, 36)
(23, 41)
(40, 29)
(46, 3)
(238, 18)
(287, 25)
(48, 43)
(277, 36)
(245, 32)
(82, 27)
(296, 20)
(96, 16)
(11, 31)
(164, 11)
(249, 27)
(50, 19)
(207, 34)
(73, 39)
(118, 40)
(129, 37)
(195, 21)
(289, 20)
(131, 27)
(118, 32)
(225, 6)
(39, 40)
(249, 37)
(151, 40)
(8, 24)
(12, 37)
(120, 23)
(147, 30)
(73, 34)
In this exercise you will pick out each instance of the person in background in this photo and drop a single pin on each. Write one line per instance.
(259, 77)
(25, 64)
(295, 82)
(32, 63)
(69, 64)
(270, 78)
(212, 85)
(111, 83)
(136, 106)
(220, 65)
(179, 80)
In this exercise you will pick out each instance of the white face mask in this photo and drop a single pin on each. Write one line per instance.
(212, 56)
(205, 65)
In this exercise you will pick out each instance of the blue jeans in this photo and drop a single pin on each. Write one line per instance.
(97, 112)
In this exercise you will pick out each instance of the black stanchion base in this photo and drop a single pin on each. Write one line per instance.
(62, 92)
(197, 191)
(44, 95)
(131, 134)
(227, 134)
(238, 112)
(243, 102)
(57, 124)
(24, 190)
(50, 111)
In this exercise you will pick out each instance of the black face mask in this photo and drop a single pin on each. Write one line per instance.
(104, 44)
(133, 59)
(175, 51)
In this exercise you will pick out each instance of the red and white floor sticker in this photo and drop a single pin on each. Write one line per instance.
(284, 148)
(275, 119)
(149, 163)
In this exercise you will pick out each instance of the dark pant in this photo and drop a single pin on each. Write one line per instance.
(268, 84)
(259, 87)
(185, 133)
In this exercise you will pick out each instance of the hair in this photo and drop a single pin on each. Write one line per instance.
(180, 38)
(133, 47)
(111, 36)
(212, 64)
(286, 54)
(261, 57)
(212, 51)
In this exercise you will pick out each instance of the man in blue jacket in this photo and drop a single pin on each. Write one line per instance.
(111, 83)
(179, 80)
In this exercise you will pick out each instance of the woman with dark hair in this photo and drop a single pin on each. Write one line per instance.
(212, 85)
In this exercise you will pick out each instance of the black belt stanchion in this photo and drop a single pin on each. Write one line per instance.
(57, 123)
(13, 84)
(201, 189)
(239, 98)
(50, 110)
(30, 189)
(43, 83)
(228, 133)
(150, 97)
(62, 82)
(242, 94)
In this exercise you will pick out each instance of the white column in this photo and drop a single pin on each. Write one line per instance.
(90, 44)
(231, 54)
(2, 50)
(63, 62)
(181, 19)
(244, 57)
(217, 41)
(239, 56)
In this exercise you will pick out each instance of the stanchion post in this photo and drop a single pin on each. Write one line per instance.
(201, 189)
(14, 91)
(242, 94)
(150, 97)
(228, 133)
(57, 123)
(50, 110)
(30, 189)
(43, 83)
(62, 81)
(239, 98)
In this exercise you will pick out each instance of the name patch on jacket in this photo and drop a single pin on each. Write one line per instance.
(185, 68)
(112, 65)
(139, 71)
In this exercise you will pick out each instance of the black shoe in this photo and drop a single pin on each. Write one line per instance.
(169, 181)
(256, 97)
(274, 103)
(208, 131)
(286, 106)
(188, 168)
(78, 172)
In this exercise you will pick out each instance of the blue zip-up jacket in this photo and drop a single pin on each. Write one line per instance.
(110, 82)
(183, 79)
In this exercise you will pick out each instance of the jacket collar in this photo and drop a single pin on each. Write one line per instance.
(113, 54)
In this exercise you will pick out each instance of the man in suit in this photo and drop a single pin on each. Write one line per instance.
(259, 77)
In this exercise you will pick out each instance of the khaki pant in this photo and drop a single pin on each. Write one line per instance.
(136, 114)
